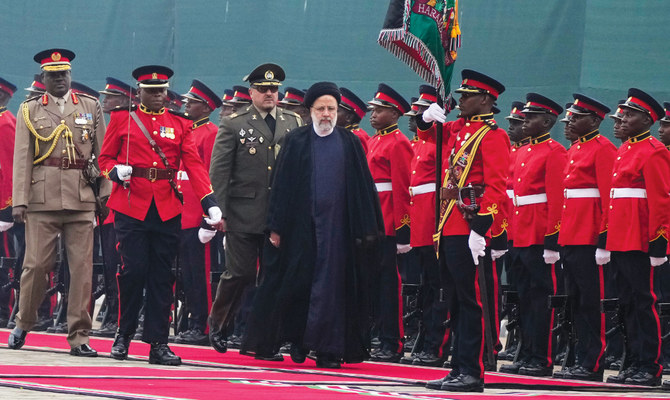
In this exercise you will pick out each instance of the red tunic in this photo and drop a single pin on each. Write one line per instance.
(389, 156)
(204, 133)
(422, 205)
(173, 134)
(362, 136)
(489, 167)
(639, 223)
(538, 170)
(508, 205)
(7, 131)
(589, 167)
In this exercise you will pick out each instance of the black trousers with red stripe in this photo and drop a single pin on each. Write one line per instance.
(461, 280)
(536, 282)
(634, 277)
(435, 312)
(195, 261)
(586, 287)
(387, 301)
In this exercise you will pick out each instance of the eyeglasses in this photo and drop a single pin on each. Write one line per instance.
(265, 89)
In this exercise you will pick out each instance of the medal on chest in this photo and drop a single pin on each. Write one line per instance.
(167, 132)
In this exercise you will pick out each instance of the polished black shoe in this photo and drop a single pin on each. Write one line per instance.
(582, 374)
(106, 330)
(83, 350)
(408, 360)
(464, 383)
(642, 378)
(161, 354)
(218, 341)
(269, 357)
(437, 383)
(536, 370)
(386, 356)
(17, 338)
(120, 347)
(621, 376)
(512, 368)
(298, 355)
(327, 361)
(563, 373)
(427, 359)
(234, 342)
(507, 354)
(666, 384)
(193, 337)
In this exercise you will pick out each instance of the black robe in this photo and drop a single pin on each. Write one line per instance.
(282, 303)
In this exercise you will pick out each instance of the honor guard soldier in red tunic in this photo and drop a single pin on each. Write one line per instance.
(293, 101)
(587, 183)
(538, 200)
(7, 129)
(57, 139)
(197, 251)
(118, 95)
(141, 154)
(422, 215)
(350, 113)
(389, 156)
(637, 234)
(472, 195)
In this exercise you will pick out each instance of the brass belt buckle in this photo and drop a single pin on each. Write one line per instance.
(153, 174)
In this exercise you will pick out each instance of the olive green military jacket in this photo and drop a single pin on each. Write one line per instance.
(242, 161)
(51, 188)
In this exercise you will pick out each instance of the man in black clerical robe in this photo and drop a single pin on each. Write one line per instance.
(324, 223)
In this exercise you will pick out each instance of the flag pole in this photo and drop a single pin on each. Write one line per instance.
(438, 164)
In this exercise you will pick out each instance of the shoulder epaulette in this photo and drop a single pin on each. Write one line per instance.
(492, 123)
(39, 96)
(291, 113)
(180, 114)
(239, 113)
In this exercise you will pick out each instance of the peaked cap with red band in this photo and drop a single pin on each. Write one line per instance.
(118, 88)
(617, 113)
(240, 95)
(666, 117)
(478, 83)
(427, 96)
(200, 92)
(643, 102)
(516, 113)
(54, 59)
(568, 113)
(78, 87)
(227, 96)
(387, 97)
(153, 76)
(415, 108)
(293, 96)
(37, 85)
(538, 104)
(584, 105)
(352, 103)
(7, 87)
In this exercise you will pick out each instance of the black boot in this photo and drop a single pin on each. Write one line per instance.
(120, 347)
(161, 354)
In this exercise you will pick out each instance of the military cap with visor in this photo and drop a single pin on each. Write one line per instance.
(115, 87)
(293, 97)
(78, 87)
(516, 112)
(200, 92)
(352, 103)
(268, 74)
(538, 104)
(149, 76)
(387, 97)
(666, 107)
(585, 105)
(51, 60)
(643, 102)
(477, 83)
(7, 87)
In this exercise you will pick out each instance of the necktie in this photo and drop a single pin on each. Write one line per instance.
(61, 104)
(269, 119)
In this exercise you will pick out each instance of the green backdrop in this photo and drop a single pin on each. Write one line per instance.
(554, 47)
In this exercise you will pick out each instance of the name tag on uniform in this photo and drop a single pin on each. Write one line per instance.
(82, 118)
(167, 133)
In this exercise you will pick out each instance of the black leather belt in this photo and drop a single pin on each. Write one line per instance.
(64, 163)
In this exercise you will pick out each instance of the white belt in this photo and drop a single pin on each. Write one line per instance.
(631, 193)
(384, 186)
(530, 199)
(581, 193)
(421, 189)
(510, 193)
(182, 176)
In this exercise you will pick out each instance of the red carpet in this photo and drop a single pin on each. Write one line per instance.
(242, 377)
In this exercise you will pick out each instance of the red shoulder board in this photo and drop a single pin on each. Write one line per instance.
(45, 99)
(75, 100)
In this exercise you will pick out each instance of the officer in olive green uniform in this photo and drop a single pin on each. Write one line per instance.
(56, 135)
(242, 160)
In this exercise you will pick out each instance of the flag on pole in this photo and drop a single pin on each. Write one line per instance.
(425, 35)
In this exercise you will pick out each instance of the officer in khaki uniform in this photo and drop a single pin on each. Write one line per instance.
(242, 160)
(55, 135)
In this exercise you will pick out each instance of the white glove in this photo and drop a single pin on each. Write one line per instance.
(124, 172)
(602, 256)
(656, 261)
(551, 256)
(434, 113)
(495, 254)
(477, 244)
(5, 225)
(205, 235)
(214, 215)
(403, 248)
(224, 242)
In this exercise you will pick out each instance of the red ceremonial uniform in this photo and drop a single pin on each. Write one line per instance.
(639, 216)
(422, 191)
(538, 172)
(362, 136)
(173, 134)
(588, 176)
(509, 203)
(7, 131)
(389, 156)
(204, 133)
(491, 169)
